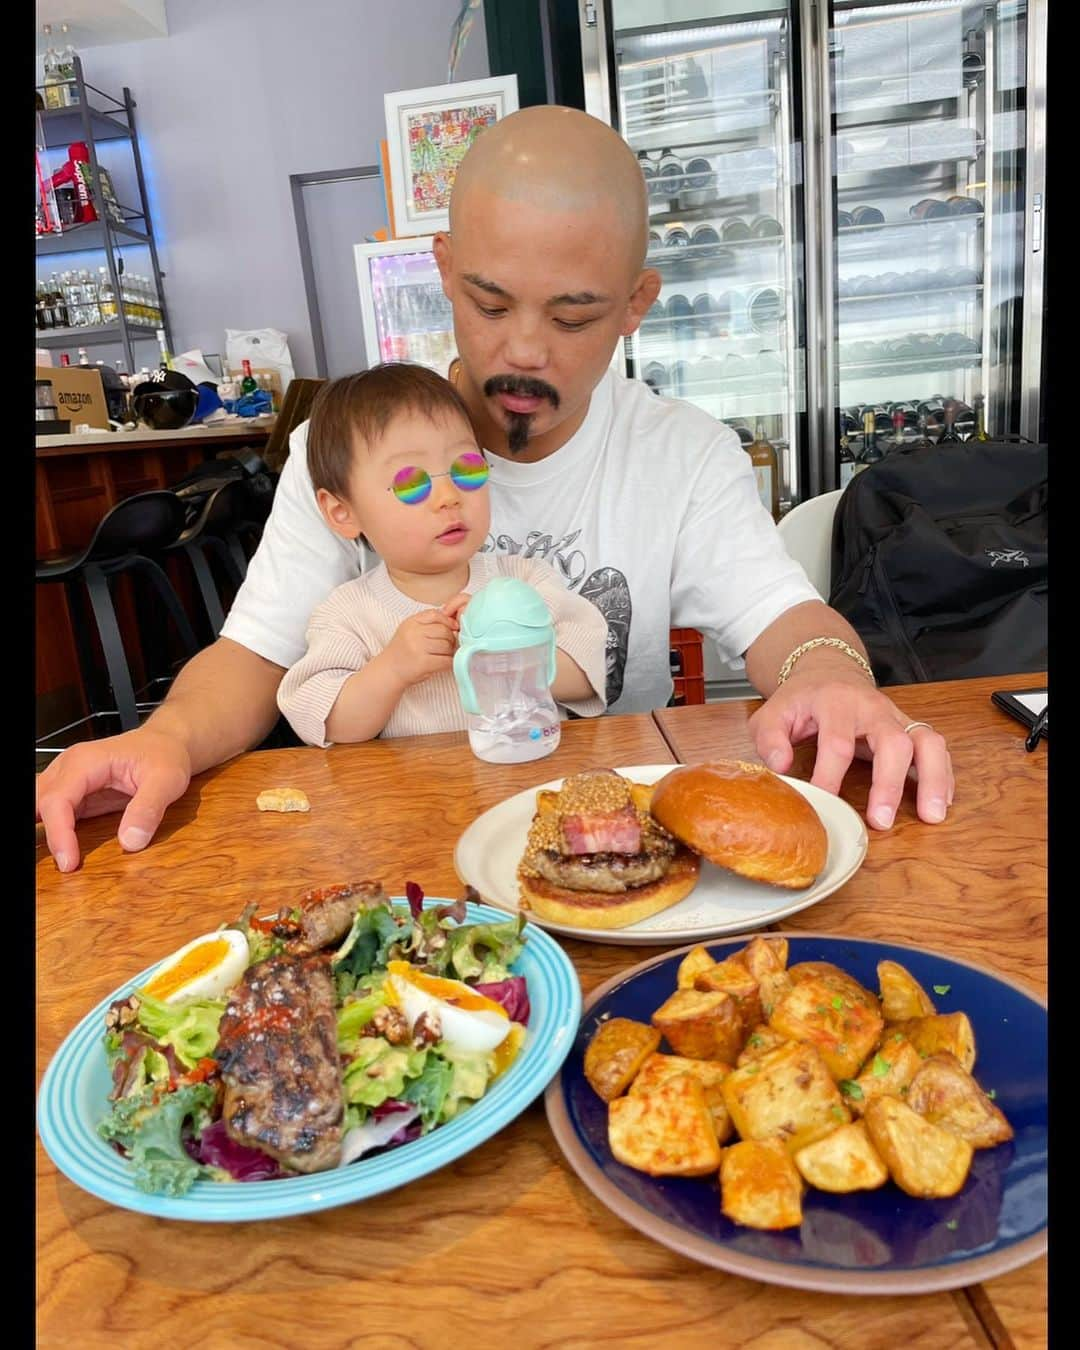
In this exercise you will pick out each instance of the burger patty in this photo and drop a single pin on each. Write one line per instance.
(609, 872)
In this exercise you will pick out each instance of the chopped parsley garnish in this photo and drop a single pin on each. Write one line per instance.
(952, 1225)
(837, 1112)
(851, 1089)
(991, 1093)
(880, 1067)
(899, 1036)
(942, 988)
(822, 1008)
(838, 1003)
(755, 1041)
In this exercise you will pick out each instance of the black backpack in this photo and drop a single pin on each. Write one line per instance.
(939, 561)
(245, 466)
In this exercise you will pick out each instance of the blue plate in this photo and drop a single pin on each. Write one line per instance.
(869, 1242)
(76, 1085)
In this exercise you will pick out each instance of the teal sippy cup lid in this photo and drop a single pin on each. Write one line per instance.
(507, 615)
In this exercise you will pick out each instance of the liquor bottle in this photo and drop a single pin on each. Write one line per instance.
(61, 317)
(248, 384)
(43, 311)
(84, 360)
(54, 89)
(766, 470)
(872, 452)
(166, 356)
(980, 419)
(950, 435)
(65, 360)
(648, 173)
(89, 294)
(106, 297)
(66, 70)
(867, 215)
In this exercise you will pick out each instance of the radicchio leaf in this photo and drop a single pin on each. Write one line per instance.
(415, 897)
(512, 994)
(214, 1148)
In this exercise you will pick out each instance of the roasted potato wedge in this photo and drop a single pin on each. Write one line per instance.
(667, 1132)
(949, 1032)
(843, 1161)
(761, 1040)
(759, 1185)
(887, 1073)
(763, 955)
(701, 1026)
(658, 1069)
(839, 981)
(693, 963)
(902, 996)
(736, 980)
(923, 1159)
(831, 1016)
(617, 1050)
(787, 1094)
(942, 1093)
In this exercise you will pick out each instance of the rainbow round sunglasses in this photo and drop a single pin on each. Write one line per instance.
(412, 485)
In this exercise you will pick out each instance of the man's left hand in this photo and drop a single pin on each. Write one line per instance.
(850, 718)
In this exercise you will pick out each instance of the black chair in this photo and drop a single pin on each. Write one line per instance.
(131, 530)
(214, 534)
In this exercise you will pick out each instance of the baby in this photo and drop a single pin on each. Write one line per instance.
(392, 457)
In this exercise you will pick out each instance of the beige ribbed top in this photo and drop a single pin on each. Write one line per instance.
(359, 619)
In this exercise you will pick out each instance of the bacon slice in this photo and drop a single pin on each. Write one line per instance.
(603, 832)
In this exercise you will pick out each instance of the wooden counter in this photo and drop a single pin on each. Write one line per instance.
(78, 478)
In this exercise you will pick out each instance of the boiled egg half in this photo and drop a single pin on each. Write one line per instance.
(469, 1021)
(204, 968)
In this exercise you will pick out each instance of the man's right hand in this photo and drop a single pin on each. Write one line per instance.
(141, 772)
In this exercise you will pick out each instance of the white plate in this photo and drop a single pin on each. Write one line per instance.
(488, 853)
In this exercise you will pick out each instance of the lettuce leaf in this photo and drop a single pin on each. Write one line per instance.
(430, 1090)
(483, 952)
(151, 1134)
(354, 1015)
(190, 1028)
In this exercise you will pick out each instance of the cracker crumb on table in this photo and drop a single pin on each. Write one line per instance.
(282, 799)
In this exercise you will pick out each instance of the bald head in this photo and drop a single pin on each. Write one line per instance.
(558, 160)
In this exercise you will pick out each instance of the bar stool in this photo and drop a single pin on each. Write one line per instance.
(212, 535)
(140, 525)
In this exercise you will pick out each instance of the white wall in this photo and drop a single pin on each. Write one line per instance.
(241, 94)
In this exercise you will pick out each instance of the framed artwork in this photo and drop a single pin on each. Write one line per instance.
(428, 132)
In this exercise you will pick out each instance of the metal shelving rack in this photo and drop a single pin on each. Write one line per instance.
(92, 124)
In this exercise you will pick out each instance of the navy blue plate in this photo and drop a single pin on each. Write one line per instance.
(870, 1242)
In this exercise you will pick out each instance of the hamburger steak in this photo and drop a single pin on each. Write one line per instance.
(597, 840)
(278, 1053)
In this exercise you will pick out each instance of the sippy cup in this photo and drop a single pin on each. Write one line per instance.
(504, 666)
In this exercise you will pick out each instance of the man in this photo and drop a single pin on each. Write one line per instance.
(646, 505)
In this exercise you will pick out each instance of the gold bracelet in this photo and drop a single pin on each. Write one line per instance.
(838, 643)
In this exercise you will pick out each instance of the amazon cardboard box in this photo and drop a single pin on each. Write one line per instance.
(78, 394)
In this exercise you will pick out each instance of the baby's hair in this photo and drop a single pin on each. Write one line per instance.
(363, 406)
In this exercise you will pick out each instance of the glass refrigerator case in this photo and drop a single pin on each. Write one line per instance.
(707, 106)
(927, 274)
(406, 316)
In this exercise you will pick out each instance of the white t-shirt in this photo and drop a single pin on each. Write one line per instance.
(650, 510)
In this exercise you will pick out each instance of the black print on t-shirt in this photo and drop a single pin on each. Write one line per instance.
(606, 587)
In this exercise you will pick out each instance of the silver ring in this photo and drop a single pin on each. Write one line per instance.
(912, 725)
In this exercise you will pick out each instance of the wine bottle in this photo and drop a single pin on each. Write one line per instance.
(949, 435)
(766, 227)
(734, 230)
(867, 215)
(669, 175)
(871, 451)
(980, 419)
(930, 208)
(248, 384)
(848, 463)
(898, 428)
(166, 356)
(763, 457)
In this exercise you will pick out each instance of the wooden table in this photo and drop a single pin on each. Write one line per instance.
(506, 1244)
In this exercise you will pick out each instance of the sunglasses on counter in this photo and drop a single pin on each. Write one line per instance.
(412, 485)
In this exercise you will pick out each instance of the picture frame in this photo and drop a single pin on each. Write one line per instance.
(427, 133)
